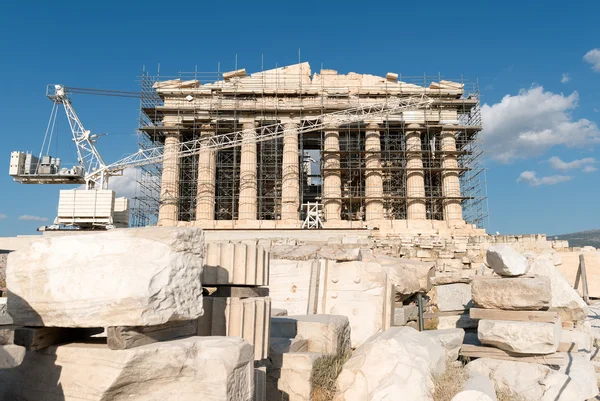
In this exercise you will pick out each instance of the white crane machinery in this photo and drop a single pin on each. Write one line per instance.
(80, 205)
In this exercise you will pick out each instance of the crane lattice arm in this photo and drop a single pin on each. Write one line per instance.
(87, 155)
(278, 130)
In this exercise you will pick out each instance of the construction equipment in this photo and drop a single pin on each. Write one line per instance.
(94, 172)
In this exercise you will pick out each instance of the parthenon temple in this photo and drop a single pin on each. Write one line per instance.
(395, 169)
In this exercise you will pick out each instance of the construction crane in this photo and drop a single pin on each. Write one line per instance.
(94, 172)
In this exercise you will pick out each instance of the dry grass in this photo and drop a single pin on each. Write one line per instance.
(506, 395)
(324, 376)
(450, 383)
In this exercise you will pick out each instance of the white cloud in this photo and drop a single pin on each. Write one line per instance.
(584, 163)
(530, 123)
(593, 57)
(565, 78)
(589, 169)
(125, 185)
(531, 178)
(28, 217)
(3, 216)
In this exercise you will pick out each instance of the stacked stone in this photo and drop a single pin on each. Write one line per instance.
(140, 287)
(520, 333)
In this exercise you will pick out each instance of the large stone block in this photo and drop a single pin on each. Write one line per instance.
(123, 277)
(248, 318)
(506, 261)
(564, 297)
(363, 292)
(195, 368)
(452, 297)
(520, 337)
(581, 370)
(399, 362)
(518, 293)
(450, 339)
(326, 334)
(229, 263)
(530, 381)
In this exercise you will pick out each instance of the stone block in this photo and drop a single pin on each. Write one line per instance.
(278, 312)
(229, 263)
(290, 284)
(260, 383)
(399, 362)
(563, 297)
(582, 342)
(215, 368)
(477, 388)
(520, 337)
(282, 345)
(295, 380)
(518, 293)
(450, 339)
(506, 261)
(582, 371)
(248, 318)
(326, 334)
(363, 292)
(11, 356)
(453, 297)
(404, 314)
(530, 381)
(462, 321)
(122, 277)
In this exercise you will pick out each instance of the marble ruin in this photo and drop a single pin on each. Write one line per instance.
(399, 171)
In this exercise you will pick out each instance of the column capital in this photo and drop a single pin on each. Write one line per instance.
(372, 126)
(172, 134)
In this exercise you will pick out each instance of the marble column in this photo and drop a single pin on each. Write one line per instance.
(169, 186)
(373, 174)
(290, 174)
(332, 182)
(450, 179)
(415, 176)
(248, 201)
(205, 193)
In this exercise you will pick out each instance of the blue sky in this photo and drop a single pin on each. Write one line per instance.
(540, 125)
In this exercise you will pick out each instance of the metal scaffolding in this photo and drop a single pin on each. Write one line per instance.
(222, 113)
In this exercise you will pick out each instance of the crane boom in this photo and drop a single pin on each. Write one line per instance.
(232, 139)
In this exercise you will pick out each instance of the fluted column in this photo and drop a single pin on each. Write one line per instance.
(248, 207)
(169, 185)
(332, 182)
(450, 179)
(373, 174)
(290, 177)
(415, 177)
(205, 194)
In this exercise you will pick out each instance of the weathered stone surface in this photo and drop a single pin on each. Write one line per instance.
(581, 341)
(310, 252)
(477, 388)
(398, 361)
(281, 345)
(248, 318)
(463, 321)
(278, 312)
(289, 284)
(564, 297)
(4, 316)
(128, 277)
(532, 381)
(581, 370)
(409, 276)
(215, 368)
(520, 337)
(452, 297)
(228, 263)
(404, 314)
(326, 334)
(450, 339)
(363, 292)
(11, 355)
(295, 381)
(506, 261)
(519, 293)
